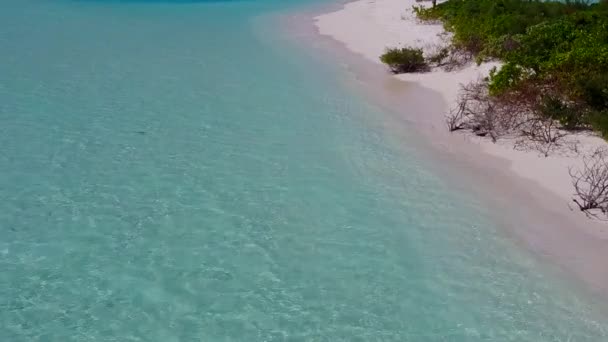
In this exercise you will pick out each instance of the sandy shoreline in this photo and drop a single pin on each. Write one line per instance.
(533, 193)
(368, 27)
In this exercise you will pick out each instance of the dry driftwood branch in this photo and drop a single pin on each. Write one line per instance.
(446, 56)
(512, 113)
(477, 111)
(541, 134)
(456, 120)
(591, 184)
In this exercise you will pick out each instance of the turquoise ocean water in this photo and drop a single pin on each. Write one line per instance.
(170, 172)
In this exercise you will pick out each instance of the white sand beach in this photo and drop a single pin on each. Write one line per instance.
(532, 192)
(368, 27)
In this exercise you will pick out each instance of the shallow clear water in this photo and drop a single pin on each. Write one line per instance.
(170, 171)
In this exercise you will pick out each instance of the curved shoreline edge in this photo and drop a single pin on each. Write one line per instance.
(537, 189)
(368, 27)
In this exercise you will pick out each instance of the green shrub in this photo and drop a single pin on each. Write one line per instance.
(598, 120)
(547, 47)
(554, 108)
(504, 79)
(404, 60)
(594, 90)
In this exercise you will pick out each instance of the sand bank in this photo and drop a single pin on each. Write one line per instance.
(369, 27)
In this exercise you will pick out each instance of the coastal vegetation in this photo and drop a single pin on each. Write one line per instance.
(552, 79)
(554, 54)
(591, 184)
(404, 60)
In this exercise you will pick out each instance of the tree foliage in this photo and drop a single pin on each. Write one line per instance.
(559, 48)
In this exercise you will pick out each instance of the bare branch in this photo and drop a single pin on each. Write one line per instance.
(541, 134)
(456, 119)
(477, 111)
(591, 184)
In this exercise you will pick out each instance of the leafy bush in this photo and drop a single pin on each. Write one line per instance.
(599, 121)
(504, 79)
(404, 60)
(594, 90)
(558, 47)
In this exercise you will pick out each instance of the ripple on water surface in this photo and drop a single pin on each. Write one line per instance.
(171, 173)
